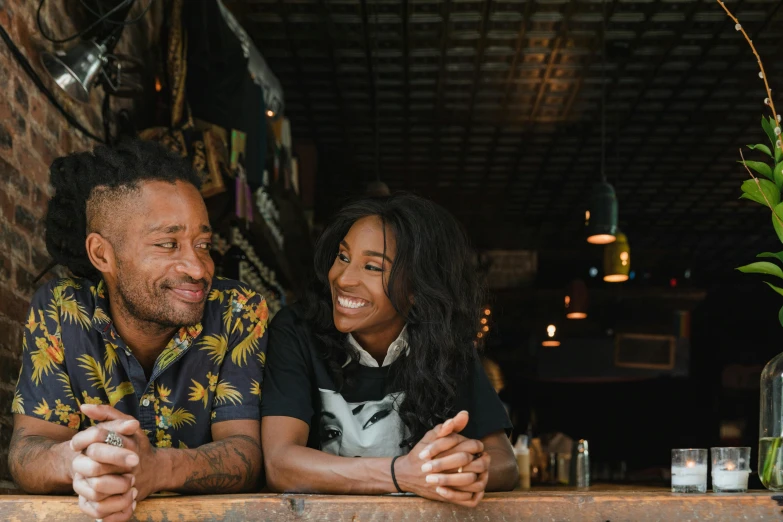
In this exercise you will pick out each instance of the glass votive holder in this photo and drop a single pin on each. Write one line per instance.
(730, 469)
(689, 470)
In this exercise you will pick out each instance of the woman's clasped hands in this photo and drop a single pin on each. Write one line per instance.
(445, 465)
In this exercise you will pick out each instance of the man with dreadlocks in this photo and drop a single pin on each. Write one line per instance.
(142, 373)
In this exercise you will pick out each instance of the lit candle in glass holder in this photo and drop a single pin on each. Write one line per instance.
(730, 469)
(689, 470)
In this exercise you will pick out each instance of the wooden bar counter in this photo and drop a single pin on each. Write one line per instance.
(600, 504)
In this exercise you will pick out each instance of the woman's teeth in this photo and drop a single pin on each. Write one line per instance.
(351, 303)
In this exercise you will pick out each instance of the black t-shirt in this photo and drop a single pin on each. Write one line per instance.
(361, 420)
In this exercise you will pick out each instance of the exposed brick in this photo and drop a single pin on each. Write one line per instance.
(22, 39)
(38, 109)
(11, 336)
(10, 175)
(20, 126)
(6, 396)
(5, 268)
(24, 282)
(40, 259)
(16, 242)
(26, 220)
(13, 307)
(9, 369)
(5, 473)
(6, 206)
(40, 198)
(6, 432)
(55, 122)
(32, 166)
(66, 142)
(6, 111)
(21, 96)
(43, 147)
(6, 140)
(5, 20)
(3, 73)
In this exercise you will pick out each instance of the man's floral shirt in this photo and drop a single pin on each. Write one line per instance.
(209, 372)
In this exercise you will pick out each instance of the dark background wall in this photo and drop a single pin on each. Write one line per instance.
(734, 332)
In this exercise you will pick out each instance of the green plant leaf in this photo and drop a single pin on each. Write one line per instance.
(768, 124)
(762, 267)
(777, 222)
(776, 255)
(760, 167)
(756, 191)
(775, 288)
(762, 148)
(777, 175)
(780, 316)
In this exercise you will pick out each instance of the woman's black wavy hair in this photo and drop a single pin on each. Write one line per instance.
(434, 265)
(74, 178)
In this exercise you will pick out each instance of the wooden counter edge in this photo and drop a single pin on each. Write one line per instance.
(627, 505)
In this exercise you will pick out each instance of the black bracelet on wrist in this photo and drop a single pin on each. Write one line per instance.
(394, 477)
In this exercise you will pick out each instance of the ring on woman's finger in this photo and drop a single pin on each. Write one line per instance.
(459, 470)
(113, 439)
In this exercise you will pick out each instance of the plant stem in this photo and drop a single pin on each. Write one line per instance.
(769, 463)
(761, 65)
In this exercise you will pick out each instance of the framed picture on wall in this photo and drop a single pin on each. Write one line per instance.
(648, 351)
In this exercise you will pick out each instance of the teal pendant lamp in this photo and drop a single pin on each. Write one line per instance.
(601, 213)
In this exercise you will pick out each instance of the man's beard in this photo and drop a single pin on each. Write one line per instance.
(151, 307)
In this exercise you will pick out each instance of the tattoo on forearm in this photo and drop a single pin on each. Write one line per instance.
(23, 450)
(228, 466)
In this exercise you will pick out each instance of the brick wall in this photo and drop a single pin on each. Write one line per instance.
(32, 134)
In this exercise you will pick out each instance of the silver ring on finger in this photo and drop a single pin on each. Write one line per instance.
(112, 439)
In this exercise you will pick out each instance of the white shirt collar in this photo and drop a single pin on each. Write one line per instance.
(396, 349)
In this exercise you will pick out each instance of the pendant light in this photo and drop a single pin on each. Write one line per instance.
(576, 300)
(551, 340)
(601, 213)
(617, 260)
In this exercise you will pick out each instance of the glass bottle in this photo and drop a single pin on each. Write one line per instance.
(771, 425)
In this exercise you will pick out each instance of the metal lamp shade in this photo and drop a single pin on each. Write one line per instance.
(601, 215)
(576, 300)
(76, 70)
(617, 260)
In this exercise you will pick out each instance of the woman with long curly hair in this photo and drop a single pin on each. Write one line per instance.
(379, 362)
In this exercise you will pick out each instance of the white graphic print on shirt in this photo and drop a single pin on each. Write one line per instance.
(364, 429)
